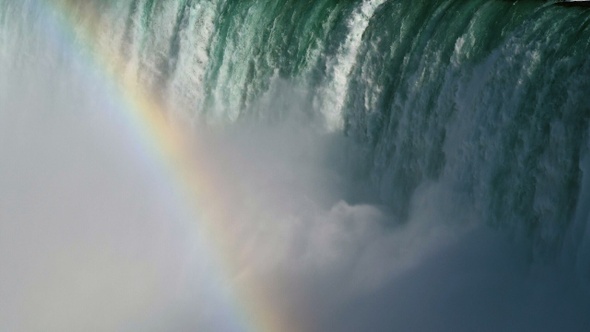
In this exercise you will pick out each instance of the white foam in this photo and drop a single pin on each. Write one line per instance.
(334, 94)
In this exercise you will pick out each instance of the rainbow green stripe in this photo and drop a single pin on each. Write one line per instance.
(179, 158)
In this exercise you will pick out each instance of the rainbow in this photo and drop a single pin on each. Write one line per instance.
(173, 150)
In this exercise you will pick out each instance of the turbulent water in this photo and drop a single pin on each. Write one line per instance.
(488, 96)
(480, 106)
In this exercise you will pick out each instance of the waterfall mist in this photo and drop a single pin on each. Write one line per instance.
(367, 189)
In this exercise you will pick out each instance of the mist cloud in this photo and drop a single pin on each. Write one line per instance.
(93, 238)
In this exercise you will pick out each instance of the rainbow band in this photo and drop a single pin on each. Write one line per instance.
(178, 157)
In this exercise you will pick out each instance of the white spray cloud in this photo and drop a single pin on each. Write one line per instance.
(92, 238)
